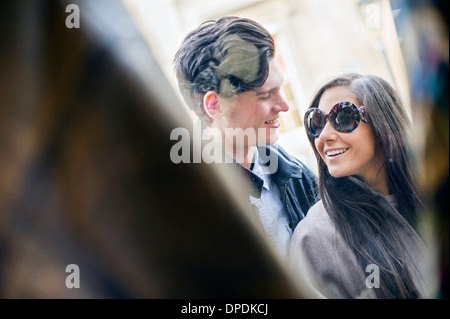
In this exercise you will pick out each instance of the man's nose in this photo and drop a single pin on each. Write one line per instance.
(281, 104)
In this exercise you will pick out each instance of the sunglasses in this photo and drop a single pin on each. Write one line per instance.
(344, 117)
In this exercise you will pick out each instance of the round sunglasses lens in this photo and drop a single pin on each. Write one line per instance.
(345, 117)
(314, 122)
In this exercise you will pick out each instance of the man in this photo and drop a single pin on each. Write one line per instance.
(228, 75)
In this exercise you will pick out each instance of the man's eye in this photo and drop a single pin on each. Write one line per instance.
(265, 97)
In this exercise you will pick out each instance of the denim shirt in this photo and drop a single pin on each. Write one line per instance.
(296, 183)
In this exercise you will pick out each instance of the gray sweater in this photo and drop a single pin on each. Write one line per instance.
(326, 267)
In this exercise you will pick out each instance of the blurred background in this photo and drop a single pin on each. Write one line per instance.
(315, 40)
(85, 119)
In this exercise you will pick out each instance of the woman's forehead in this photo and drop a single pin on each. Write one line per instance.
(334, 95)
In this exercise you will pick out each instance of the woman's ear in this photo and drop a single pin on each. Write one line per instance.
(211, 105)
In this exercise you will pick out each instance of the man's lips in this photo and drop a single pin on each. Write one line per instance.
(274, 122)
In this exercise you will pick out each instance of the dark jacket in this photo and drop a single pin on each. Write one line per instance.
(297, 183)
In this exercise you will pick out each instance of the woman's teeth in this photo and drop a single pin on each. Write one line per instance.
(337, 152)
(271, 122)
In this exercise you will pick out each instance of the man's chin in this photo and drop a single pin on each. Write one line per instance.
(268, 141)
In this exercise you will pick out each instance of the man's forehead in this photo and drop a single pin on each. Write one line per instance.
(275, 79)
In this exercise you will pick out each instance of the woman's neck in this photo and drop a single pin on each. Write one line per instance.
(379, 182)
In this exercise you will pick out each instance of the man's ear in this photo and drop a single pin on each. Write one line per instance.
(211, 105)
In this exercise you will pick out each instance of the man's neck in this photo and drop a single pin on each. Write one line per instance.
(242, 154)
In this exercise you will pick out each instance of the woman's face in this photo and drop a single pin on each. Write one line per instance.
(354, 153)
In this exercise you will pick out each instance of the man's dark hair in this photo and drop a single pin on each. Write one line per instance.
(229, 56)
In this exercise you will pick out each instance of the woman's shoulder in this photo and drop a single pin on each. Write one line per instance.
(321, 258)
(317, 221)
(316, 232)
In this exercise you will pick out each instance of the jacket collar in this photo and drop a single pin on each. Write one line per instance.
(286, 169)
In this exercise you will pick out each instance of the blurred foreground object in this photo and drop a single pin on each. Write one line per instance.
(86, 176)
(423, 26)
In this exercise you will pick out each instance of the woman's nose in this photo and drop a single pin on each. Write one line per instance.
(328, 133)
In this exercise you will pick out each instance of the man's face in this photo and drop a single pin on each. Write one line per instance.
(257, 110)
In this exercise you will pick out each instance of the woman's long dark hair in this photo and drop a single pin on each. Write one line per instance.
(365, 219)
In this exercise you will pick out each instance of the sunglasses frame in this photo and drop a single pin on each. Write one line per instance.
(360, 116)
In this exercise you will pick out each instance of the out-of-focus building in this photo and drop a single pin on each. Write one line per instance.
(316, 39)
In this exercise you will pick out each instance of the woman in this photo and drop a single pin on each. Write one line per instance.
(359, 240)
